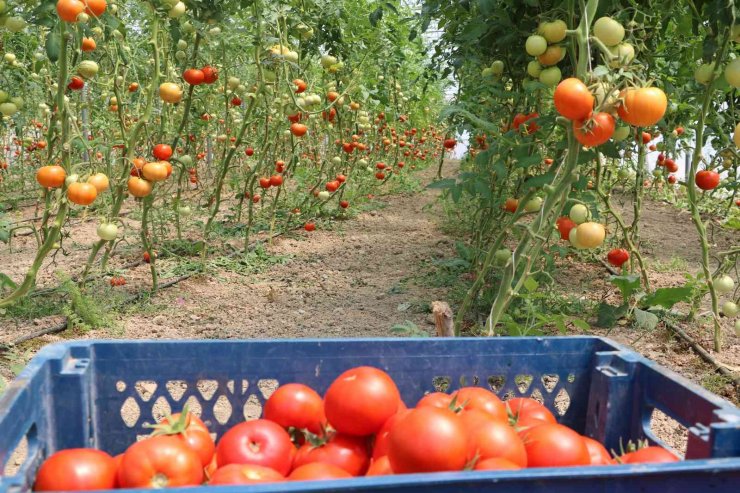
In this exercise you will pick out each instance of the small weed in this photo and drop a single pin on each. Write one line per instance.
(83, 312)
(408, 329)
(673, 265)
(253, 262)
(721, 385)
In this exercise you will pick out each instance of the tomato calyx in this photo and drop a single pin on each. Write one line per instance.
(168, 426)
(316, 440)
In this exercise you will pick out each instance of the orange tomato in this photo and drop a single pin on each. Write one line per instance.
(51, 176)
(82, 193)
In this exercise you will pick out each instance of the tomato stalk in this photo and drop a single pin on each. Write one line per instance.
(694, 200)
(536, 234)
(53, 234)
(119, 190)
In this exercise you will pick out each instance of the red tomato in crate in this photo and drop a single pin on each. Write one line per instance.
(469, 398)
(555, 445)
(77, 470)
(194, 433)
(298, 406)
(598, 453)
(428, 439)
(318, 471)
(245, 474)
(260, 442)
(361, 400)
(158, 462)
(345, 451)
(648, 455)
(527, 409)
(489, 437)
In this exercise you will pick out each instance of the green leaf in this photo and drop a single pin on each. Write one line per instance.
(608, 315)
(6, 282)
(537, 181)
(442, 184)
(53, 46)
(530, 284)
(645, 319)
(375, 16)
(627, 285)
(581, 324)
(667, 297)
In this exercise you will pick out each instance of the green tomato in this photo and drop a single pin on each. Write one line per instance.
(623, 173)
(534, 68)
(328, 60)
(533, 204)
(730, 308)
(732, 73)
(502, 256)
(15, 24)
(497, 67)
(621, 133)
(703, 73)
(107, 231)
(550, 76)
(536, 45)
(8, 109)
(184, 210)
(4, 96)
(336, 160)
(553, 32)
(737, 327)
(18, 102)
(186, 160)
(324, 194)
(724, 284)
(177, 11)
(579, 213)
(487, 72)
(88, 69)
(609, 31)
(624, 52)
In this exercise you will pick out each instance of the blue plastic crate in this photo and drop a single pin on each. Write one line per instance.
(101, 393)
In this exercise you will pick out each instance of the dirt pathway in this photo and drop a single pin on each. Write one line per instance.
(346, 282)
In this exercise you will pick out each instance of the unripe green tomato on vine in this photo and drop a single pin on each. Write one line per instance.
(579, 213)
(502, 256)
(703, 73)
(534, 68)
(730, 308)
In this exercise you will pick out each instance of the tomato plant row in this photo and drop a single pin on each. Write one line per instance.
(568, 106)
(178, 111)
(303, 436)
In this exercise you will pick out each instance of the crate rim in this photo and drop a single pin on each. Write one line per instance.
(56, 349)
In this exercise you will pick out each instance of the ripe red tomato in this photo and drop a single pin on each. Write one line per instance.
(380, 467)
(555, 445)
(332, 186)
(648, 455)
(193, 432)
(298, 406)
(598, 453)
(527, 409)
(75, 470)
(380, 165)
(341, 178)
(345, 451)
(427, 439)
(672, 179)
(565, 224)
(595, 131)
(618, 256)
(450, 143)
(380, 445)
(343, 204)
(76, 83)
(488, 437)
(260, 442)
(380, 175)
(158, 462)
(245, 474)
(265, 182)
(573, 100)
(470, 398)
(276, 180)
(249, 151)
(495, 464)
(521, 118)
(162, 152)
(646, 137)
(707, 179)
(361, 400)
(210, 74)
(436, 399)
(194, 76)
(511, 205)
(318, 471)
(298, 129)
(309, 227)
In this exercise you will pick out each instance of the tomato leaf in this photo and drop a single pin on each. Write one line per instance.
(667, 297)
(608, 315)
(581, 324)
(645, 319)
(627, 285)
(530, 284)
(442, 184)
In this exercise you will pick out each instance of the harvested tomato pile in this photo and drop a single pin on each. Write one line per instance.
(360, 428)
